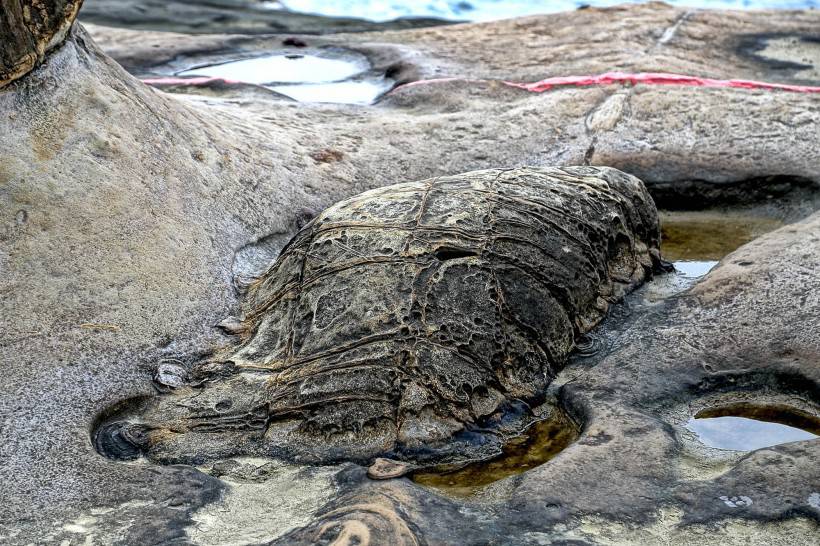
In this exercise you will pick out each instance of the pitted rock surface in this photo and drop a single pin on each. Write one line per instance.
(409, 319)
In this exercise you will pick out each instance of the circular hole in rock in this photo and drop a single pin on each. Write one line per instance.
(114, 436)
(223, 405)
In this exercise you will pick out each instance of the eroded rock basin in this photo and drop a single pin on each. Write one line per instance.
(747, 427)
(535, 446)
(322, 76)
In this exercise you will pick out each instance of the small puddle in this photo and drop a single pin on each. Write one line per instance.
(694, 241)
(708, 236)
(694, 269)
(745, 427)
(274, 69)
(305, 78)
(539, 443)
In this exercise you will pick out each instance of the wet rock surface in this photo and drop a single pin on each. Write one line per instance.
(116, 259)
(477, 286)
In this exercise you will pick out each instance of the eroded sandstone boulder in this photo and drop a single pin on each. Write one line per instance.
(411, 320)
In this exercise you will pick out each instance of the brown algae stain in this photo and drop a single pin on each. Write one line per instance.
(709, 235)
(539, 443)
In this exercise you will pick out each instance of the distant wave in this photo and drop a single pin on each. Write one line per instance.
(485, 10)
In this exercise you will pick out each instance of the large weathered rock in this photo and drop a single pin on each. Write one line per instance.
(409, 321)
(637, 475)
(28, 30)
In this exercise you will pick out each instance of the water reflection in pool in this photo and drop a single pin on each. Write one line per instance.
(307, 78)
(746, 427)
(694, 269)
(272, 69)
(354, 92)
(541, 442)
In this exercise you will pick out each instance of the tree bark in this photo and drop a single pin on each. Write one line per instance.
(28, 30)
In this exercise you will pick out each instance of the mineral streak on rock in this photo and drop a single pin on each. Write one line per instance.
(28, 30)
(660, 78)
(409, 321)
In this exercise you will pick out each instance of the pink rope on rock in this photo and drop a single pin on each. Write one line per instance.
(643, 78)
(657, 78)
(607, 78)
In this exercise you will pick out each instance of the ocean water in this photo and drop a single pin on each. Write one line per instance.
(485, 10)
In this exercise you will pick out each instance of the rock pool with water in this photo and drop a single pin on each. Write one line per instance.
(743, 429)
(283, 68)
(535, 446)
(344, 79)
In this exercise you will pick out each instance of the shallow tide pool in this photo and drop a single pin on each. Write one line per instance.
(305, 78)
(746, 428)
(694, 241)
(539, 443)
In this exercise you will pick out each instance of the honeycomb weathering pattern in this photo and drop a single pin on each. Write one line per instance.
(409, 320)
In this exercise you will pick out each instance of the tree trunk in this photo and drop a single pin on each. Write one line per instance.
(28, 30)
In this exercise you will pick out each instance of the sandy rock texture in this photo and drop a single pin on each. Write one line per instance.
(130, 217)
(688, 144)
